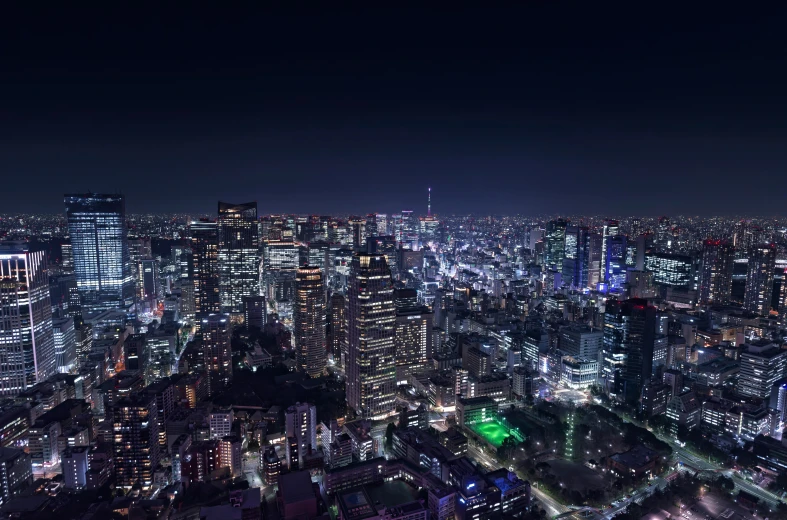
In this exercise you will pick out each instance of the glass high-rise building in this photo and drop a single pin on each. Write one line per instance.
(627, 351)
(309, 319)
(555, 243)
(238, 254)
(759, 279)
(716, 272)
(204, 267)
(371, 324)
(97, 226)
(27, 344)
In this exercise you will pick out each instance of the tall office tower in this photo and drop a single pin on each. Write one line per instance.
(136, 439)
(627, 355)
(382, 224)
(409, 229)
(65, 345)
(615, 263)
(635, 229)
(385, 245)
(763, 364)
(357, 231)
(238, 260)
(309, 318)
(370, 228)
(67, 258)
(204, 268)
(255, 311)
(217, 350)
(300, 423)
(135, 352)
(149, 278)
(64, 296)
(759, 279)
(746, 237)
(414, 339)
(569, 258)
(581, 258)
(664, 234)
(716, 272)
(611, 228)
(595, 244)
(336, 338)
(138, 249)
(555, 243)
(27, 344)
(371, 325)
(97, 225)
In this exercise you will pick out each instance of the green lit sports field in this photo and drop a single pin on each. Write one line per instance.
(492, 431)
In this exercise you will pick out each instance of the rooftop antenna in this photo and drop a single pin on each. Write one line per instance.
(429, 203)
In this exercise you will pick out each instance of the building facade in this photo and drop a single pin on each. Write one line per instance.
(99, 244)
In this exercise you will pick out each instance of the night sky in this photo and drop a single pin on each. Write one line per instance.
(551, 107)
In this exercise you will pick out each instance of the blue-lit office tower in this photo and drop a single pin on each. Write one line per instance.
(569, 256)
(581, 258)
(238, 254)
(611, 228)
(627, 351)
(27, 344)
(615, 263)
(97, 226)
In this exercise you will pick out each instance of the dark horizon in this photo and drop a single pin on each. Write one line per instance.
(540, 109)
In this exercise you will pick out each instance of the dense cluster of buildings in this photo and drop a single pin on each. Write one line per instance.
(116, 345)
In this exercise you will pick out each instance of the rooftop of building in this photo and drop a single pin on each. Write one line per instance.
(720, 364)
(477, 401)
(636, 457)
(392, 494)
(356, 504)
(296, 487)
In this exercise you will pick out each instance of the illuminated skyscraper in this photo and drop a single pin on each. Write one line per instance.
(581, 258)
(217, 350)
(238, 254)
(136, 439)
(358, 231)
(97, 225)
(413, 339)
(371, 321)
(203, 267)
(309, 318)
(615, 266)
(759, 279)
(716, 272)
(27, 345)
(627, 352)
(336, 338)
(555, 243)
(611, 228)
(382, 224)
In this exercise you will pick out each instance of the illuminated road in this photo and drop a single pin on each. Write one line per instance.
(697, 463)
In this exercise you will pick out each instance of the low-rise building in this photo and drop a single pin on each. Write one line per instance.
(637, 462)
